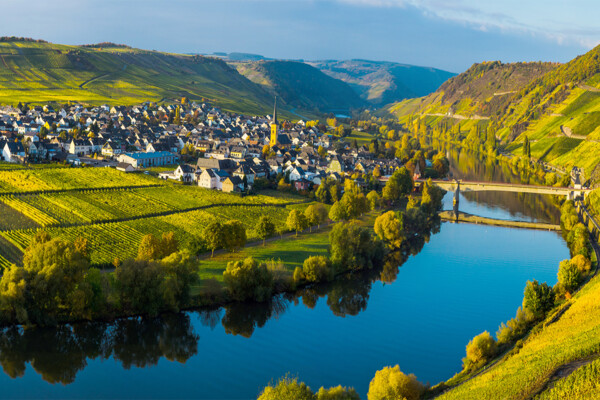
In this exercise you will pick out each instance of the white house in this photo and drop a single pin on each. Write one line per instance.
(185, 173)
(13, 152)
(208, 179)
(80, 147)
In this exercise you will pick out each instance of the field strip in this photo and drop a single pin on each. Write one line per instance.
(87, 190)
(160, 214)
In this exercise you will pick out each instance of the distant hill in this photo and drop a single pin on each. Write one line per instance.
(33, 71)
(556, 106)
(381, 82)
(301, 85)
(245, 57)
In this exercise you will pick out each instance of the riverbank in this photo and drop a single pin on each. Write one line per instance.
(475, 219)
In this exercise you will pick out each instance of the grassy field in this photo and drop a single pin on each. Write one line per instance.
(290, 251)
(573, 337)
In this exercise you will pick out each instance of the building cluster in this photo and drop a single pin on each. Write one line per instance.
(231, 147)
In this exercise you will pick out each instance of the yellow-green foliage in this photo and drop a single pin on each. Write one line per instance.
(43, 72)
(391, 383)
(575, 335)
(583, 383)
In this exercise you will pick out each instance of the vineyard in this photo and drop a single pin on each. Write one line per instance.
(121, 239)
(92, 203)
(53, 179)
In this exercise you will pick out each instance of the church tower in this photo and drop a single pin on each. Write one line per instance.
(274, 127)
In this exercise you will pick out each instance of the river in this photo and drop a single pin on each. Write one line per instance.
(466, 279)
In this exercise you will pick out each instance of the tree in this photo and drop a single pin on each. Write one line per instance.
(441, 165)
(400, 184)
(538, 299)
(234, 235)
(168, 244)
(352, 247)
(287, 389)
(139, 285)
(265, 228)
(582, 262)
(177, 117)
(431, 199)
(569, 276)
(296, 221)
(248, 280)
(213, 236)
(374, 200)
(50, 284)
(514, 328)
(337, 393)
(526, 147)
(479, 350)
(315, 214)
(389, 228)
(266, 150)
(317, 269)
(337, 212)
(149, 248)
(322, 152)
(391, 383)
(181, 272)
(40, 237)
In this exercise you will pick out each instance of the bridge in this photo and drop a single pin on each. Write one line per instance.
(474, 186)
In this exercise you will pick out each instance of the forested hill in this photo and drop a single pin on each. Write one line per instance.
(382, 82)
(556, 106)
(38, 72)
(301, 85)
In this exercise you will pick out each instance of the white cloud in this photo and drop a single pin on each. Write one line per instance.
(573, 21)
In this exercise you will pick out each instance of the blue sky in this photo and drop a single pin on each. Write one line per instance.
(447, 34)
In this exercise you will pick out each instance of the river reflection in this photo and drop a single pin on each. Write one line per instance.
(418, 310)
(59, 353)
(472, 166)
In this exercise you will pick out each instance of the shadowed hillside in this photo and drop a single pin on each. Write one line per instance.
(302, 86)
(381, 82)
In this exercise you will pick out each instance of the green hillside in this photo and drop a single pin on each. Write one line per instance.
(38, 72)
(301, 85)
(557, 107)
(381, 82)
(566, 342)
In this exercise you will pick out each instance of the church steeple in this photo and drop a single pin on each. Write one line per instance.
(274, 127)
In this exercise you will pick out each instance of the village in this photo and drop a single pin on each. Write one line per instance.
(204, 145)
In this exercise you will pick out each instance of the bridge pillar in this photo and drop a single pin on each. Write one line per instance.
(456, 200)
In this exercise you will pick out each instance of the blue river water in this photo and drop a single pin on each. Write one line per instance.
(466, 280)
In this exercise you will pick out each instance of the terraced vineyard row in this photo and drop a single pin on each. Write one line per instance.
(33, 180)
(94, 206)
(121, 239)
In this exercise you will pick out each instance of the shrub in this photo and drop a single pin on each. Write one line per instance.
(391, 383)
(538, 299)
(287, 389)
(337, 393)
(479, 350)
(568, 275)
(582, 262)
(317, 269)
(514, 328)
(248, 280)
(352, 247)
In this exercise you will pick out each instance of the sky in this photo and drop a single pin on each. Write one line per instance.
(445, 34)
